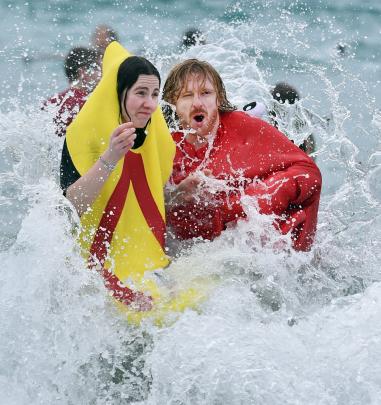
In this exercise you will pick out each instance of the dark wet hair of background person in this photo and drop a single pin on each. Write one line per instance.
(192, 37)
(78, 58)
(283, 92)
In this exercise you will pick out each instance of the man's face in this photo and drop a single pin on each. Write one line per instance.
(197, 106)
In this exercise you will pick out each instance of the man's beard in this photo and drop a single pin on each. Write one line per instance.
(207, 129)
(211, 124)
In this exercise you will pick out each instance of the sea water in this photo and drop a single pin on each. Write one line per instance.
(281, 327)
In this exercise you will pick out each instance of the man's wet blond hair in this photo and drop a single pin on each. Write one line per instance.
(180, 74)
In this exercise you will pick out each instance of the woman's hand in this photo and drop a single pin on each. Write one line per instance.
(86, 189)
(121, 141)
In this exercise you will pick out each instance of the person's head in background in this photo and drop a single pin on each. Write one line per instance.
(82, 68)
(284, 92)
(192, 37)
(102, 37)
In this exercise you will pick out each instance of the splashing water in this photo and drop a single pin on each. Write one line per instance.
(281, 327)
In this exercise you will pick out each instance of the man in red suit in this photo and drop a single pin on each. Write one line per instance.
(244, 156)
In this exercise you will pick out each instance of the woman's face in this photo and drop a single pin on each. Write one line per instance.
(141, 101)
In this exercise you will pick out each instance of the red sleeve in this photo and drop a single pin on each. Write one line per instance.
(294, 185)
(290, 186)
(68, 110)
(286, 175)
(285, 181)
(68, 104)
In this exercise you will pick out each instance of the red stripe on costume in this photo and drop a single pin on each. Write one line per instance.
(111, 216)
(145, 199)
(133, 170)
(104, 234)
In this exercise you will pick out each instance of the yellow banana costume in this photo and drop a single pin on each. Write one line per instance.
(124, 230)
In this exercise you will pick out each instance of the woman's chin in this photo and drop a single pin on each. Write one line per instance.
(140, 123)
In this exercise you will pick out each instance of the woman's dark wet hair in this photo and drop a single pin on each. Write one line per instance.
(129, 72)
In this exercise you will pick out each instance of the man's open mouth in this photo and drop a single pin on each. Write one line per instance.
(199, 117)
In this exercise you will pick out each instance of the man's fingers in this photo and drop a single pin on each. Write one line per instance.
(193, 180)
(189, 184)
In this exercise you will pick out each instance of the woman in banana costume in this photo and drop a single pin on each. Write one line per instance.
(116, 159)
